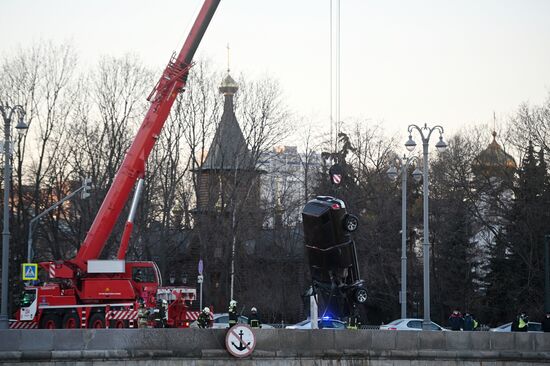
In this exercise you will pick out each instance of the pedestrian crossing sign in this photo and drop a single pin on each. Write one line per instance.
(30, 271)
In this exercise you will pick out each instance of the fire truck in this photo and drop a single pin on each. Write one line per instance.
(88, 292)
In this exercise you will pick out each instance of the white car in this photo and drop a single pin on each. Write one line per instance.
(531, 327)
(221, 321)
(410, 324)
(325, 323)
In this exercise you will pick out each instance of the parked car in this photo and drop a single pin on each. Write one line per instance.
(410, 324)
(325, 323)
(531, 327)
(221, 321)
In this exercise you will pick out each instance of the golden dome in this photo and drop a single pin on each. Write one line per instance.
(493, 159)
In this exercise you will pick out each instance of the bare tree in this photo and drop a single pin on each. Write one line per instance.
(531, 123)
(103, 126)
(41, 79)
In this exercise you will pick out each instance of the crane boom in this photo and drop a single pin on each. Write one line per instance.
(162, 97)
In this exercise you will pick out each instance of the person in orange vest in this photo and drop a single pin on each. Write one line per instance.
(353, 319)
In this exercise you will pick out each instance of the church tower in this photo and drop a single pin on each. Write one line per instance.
(228, 212)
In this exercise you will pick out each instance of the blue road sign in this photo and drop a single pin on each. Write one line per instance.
(30, 271)
(201, 267)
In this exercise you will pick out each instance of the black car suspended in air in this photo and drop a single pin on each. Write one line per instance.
(332, 256)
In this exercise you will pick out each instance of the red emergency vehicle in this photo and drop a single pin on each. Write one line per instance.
(88, 292)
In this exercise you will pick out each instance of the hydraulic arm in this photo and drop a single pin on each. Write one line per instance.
(162, 97)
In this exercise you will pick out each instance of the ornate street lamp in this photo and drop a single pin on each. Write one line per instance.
(393, 173)
(7, 114)
(425, 133)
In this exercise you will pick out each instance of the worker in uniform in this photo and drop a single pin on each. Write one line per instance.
(164, 313)
(470, 322)
(254, 319)
(204, 318)
(233, 317)
(520, 324)
(142, 314)
(160, 314)
(353, 319)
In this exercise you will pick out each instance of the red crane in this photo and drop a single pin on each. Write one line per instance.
(109, 292)
(162, 97)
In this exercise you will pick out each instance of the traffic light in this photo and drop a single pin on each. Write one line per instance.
(86, 187)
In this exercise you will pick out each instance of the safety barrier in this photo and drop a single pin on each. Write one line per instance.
(274, 346)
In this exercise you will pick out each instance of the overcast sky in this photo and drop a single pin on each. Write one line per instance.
(436, 61)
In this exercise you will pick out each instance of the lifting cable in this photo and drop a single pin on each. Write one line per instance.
(334, 73)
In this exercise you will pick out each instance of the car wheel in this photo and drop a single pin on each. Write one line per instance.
(351, 223)
(361, 295)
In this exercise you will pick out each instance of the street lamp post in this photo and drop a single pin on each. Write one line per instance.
(393, 173)
(546, 273)
(425, 133)
(7, 114)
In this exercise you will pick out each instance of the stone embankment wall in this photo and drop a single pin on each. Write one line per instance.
(169, 347)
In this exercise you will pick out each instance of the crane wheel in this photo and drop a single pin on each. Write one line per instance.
(50, 321)
(97, 321)
(119, 324)
(71, 321)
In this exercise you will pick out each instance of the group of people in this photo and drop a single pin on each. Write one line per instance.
(154, 317)
(205, 320)
(520, 324)
(457, 321)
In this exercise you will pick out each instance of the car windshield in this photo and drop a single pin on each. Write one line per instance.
(534, 327)
(303, 322)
